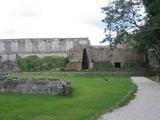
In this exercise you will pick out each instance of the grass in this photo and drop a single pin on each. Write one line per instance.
(91, 95)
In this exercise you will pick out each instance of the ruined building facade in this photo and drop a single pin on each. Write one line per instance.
(81, 54)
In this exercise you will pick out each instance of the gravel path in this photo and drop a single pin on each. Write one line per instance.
(146, 105)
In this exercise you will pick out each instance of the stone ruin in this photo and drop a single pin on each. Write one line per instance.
(82, 55)
(34, 86)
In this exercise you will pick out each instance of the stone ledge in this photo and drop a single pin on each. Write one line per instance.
(34, 86)
(101, 73)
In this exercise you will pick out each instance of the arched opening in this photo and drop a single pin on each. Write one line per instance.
(85, 60)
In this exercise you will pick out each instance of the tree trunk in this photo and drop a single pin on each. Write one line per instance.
(146, 59)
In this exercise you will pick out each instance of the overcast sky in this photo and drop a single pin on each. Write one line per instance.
(52, 18)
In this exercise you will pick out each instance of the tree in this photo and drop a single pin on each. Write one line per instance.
(147, 41)
(153, 9)
(122, 17)
(148, 37)
(125, 18)
(152, 6)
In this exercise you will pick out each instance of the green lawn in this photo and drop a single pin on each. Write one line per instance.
(90, 96)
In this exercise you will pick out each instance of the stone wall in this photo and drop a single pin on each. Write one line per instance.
(41, 47)
(66, 47)
(121, 55)
(34, 86)
(75, 58)
(141, 72)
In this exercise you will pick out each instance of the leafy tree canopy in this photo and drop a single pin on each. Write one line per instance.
(152, 6)
(122, 16)
(147, 38)
(126, 18)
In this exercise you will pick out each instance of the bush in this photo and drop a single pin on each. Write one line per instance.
(30, 63)
(128, 66)
(34, 63)
(103, 65)
(49, 63)
(133, 65)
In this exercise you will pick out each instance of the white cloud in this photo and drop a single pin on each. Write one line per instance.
(9, 31)
(52, 18)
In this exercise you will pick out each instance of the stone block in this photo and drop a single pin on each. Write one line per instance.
(35, 86)
(74, 66)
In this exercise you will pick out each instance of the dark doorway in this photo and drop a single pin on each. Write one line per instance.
(85, 60)
(117, 65)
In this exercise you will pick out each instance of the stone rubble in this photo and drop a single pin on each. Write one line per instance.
(34, 86)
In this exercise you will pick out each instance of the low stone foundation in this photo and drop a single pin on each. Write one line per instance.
(34, 86)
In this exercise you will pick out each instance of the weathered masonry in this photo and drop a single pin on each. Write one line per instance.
(35, 86)
(10, 48)
(81, 54)
(82, 57)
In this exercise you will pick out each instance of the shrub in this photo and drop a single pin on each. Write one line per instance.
(30, 63)
(49, 63)
(133, 65)
(34, 63)
(103, 65)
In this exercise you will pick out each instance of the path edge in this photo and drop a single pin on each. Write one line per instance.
(123, 102)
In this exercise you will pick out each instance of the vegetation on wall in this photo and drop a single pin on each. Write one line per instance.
(49, 63)
(34, 63)
(130, 65)
(30, 63)
(133, 65)
(102, 66)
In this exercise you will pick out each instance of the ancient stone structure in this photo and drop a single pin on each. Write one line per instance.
(10, 48)
(118, 56)
(34, 86)
(78, 57)
(81, 54)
